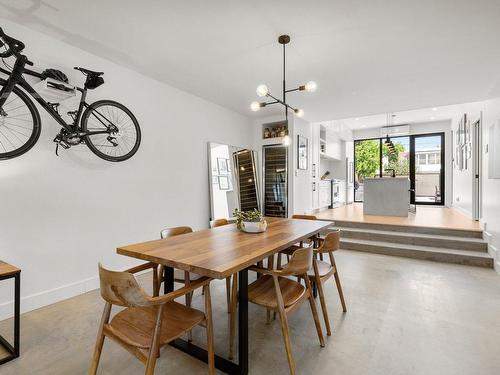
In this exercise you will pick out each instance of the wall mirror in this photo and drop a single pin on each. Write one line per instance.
(233, 180)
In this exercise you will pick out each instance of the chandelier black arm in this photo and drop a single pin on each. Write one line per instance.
(280, 101)
(292, 90)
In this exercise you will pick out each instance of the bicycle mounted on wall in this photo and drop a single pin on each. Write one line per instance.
(108, 128)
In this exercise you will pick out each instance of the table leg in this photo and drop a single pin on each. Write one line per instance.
(243, 322)
(168, 279)
(17, 312)
(221, 363)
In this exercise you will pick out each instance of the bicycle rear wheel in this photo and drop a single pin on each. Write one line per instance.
(123, 136)
(20, 124)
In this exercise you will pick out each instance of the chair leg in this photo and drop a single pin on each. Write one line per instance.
(232, 316)
(284, 326)
(100, 339)
(339, 286)
(189, 298)
(156, 287)
(210, 330)
(228, 293)
(159, 280)
(155, 344)
(314, 311)
(322, 298)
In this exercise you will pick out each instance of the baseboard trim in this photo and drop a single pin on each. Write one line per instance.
(48, 297)
(463, 211)
(495, 253)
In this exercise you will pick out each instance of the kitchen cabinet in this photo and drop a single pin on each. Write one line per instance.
(330, 143)
(325, 193)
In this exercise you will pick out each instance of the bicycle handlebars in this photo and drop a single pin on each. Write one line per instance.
(15, 46)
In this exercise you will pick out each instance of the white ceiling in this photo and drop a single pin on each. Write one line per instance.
(366, 56)
(416, 116)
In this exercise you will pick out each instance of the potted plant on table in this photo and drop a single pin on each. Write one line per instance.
(250, 221)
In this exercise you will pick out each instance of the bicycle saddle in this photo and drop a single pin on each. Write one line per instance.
(89, 72)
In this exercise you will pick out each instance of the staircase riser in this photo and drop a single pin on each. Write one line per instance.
(423, 255)
(419, 241)
(401, 228)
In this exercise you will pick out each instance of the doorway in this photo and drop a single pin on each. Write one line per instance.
(418, 157)
(427, 169)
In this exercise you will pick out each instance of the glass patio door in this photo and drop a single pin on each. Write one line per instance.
(427, 169)
(367, 164)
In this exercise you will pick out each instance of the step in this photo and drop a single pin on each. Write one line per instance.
(412, 229)
(465, 257)
(420, 239)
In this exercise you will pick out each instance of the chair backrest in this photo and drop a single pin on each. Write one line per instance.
(300, 262)
(175, 231)
(220, 222)
(331, 242)
(122, 289)
(304, 217)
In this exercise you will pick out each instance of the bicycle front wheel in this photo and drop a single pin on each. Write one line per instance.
(19, 124)
(121, 135)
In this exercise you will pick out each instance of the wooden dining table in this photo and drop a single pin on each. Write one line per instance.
(219, 253)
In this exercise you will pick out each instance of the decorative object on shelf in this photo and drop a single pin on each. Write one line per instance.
(275, 129)
(222, 166)
(250, 221)
(263, 90)
(223, 183)
(325, 175)
(313, 169)
(301, 152)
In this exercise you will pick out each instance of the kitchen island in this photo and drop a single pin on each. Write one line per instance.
(386, 196)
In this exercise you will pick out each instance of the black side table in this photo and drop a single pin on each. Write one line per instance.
(8, 271)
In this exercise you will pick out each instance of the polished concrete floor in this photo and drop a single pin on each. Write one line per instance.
(404, 317)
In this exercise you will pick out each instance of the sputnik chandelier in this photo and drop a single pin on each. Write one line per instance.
(263, 90)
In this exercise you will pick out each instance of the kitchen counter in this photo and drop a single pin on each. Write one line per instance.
(386, 196)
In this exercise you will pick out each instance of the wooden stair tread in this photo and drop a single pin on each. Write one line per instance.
(416, 247)
(135, 325)
(261, 292)
(7, 269)
(412, 234)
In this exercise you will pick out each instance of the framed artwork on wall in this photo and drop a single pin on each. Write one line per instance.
(223, 183)
(222, 166)
(302, 152)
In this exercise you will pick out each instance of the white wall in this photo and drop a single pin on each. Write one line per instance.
(63, 215)
(425, 128)
(490, 187)
(302, 181)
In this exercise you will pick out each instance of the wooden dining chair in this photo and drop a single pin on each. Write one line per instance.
(180, 276)
(322, 271)
(275, 291)
(148, 323)
(220, 223)
(315, 240)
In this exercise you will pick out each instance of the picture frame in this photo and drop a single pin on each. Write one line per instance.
(222, 166)
(302, 152)
(223, 182)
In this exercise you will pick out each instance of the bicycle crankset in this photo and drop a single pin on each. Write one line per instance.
(66, 140)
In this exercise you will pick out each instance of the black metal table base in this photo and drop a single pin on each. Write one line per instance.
(222, 364)
(13, 350)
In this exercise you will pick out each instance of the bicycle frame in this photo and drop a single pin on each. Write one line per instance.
(16, 78)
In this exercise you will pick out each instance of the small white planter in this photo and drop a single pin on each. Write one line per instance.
(254, 227)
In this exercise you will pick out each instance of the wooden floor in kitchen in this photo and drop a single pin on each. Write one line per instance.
(425, 216)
